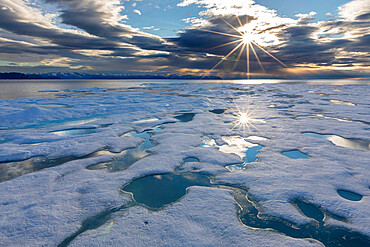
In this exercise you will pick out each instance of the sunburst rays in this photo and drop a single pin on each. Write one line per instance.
(245, 42)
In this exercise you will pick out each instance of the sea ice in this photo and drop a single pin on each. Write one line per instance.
(43, 207)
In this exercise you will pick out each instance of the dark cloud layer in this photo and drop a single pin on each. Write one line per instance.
(91, 17)
(15, 23)
(103, 19)
(104, 43)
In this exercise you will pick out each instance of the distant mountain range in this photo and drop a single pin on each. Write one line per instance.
(75, 75)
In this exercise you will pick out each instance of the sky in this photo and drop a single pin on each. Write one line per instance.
(230, 39)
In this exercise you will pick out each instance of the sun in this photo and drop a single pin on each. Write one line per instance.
(247, 38)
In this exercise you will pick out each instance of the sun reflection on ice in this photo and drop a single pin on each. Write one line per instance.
(243, 118)
(246, 120)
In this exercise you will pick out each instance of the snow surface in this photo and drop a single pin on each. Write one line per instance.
(43, 207)
(194, 221)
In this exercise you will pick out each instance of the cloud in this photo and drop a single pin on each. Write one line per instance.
(100, 18)
(137, 11)
(354, 9)
(306, 18)
(104, 19)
